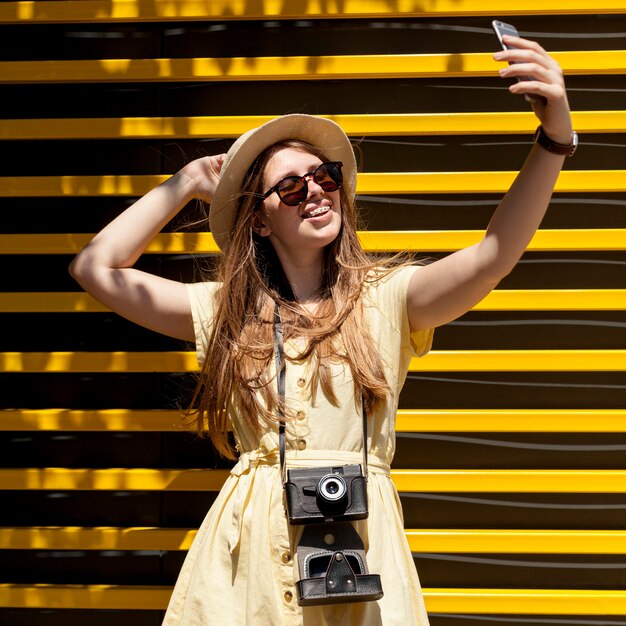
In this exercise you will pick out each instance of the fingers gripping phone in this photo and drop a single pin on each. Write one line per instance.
(502, 28)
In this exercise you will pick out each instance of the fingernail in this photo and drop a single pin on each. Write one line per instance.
(498, 55)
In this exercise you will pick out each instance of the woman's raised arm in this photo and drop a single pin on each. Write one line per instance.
(104, 268)
(445, 289)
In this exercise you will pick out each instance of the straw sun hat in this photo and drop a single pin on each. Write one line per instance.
(318, 131)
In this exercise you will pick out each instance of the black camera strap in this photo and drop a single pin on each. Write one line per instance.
(279, 357)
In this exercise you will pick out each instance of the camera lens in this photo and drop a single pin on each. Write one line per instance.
(331, 488)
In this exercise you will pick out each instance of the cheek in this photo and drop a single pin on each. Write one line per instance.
(276, 219)
(270, 215)
(267, 214)
(335, 196)
(338, 208)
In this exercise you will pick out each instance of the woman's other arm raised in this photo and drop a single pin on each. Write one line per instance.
(445, 289)
(104, 268)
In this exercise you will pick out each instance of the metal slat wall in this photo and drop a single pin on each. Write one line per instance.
(511, 432)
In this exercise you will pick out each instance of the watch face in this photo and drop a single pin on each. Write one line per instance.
(574, 142)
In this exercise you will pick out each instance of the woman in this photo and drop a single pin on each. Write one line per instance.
(282, 212)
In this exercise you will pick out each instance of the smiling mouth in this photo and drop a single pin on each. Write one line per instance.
(319, 211)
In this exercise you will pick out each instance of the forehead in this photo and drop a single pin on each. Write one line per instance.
(289, 162)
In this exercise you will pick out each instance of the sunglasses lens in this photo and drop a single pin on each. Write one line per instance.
(292, 191)
(328, 176)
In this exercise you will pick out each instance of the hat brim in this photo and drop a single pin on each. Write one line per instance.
(320, 132)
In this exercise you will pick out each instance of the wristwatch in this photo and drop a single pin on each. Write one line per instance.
(552, 146)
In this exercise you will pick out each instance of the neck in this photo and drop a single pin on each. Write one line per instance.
(304, 275)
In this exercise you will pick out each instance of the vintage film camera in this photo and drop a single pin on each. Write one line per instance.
(326, 494)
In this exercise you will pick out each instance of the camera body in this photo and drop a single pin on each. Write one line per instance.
(326, 494)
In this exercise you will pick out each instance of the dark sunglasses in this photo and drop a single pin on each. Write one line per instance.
(294, 190)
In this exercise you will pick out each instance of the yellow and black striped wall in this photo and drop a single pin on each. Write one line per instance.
(511, 460)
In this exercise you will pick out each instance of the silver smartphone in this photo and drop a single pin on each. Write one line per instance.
(502, 28)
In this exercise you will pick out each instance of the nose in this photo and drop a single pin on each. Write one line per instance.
(312, 185)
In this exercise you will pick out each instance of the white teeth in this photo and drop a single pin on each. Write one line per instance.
(318, 211)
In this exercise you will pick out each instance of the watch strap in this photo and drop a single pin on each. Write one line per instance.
(548, 144)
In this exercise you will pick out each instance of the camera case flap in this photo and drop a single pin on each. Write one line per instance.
(333, 568)
(325, 494)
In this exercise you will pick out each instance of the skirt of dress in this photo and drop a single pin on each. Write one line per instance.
(241, 569)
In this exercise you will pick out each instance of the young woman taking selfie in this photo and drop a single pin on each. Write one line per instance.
(304, 344)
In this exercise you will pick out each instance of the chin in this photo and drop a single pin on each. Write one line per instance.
(328, 238)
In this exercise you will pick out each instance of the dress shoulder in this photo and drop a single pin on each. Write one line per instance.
(388, 294)
(202, 300)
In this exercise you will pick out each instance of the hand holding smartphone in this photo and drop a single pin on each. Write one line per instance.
(501, 29)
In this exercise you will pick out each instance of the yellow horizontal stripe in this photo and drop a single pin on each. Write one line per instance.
(45, 596)
(498, 300)
(92, 420)
(382, 8)
(293, 67)
(161, 10)
(447, 241)
(85, 186)
(49, 302)
(533, 601)
(553, 300)
(112, 479)
(101, 538)
(435, 361)
(373, 183)
(415, 480)
(535, 481)
(483, 182)
(98, 362)
(372, 241)
(520, 361)
(506, 601)
(441, 541)
(430, 540)
(408, 420)
(519, 541)
(511, 420)
(354, 125)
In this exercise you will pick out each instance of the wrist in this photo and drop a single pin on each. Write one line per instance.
(186, 183)
(557, 145)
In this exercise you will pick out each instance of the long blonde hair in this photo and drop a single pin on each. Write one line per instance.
(240, 345)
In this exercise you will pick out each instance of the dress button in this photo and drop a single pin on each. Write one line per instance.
(300, 415)
(285, 557)
(301, 444)
(301, 382)
(288, 596)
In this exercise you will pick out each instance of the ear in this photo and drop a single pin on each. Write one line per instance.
(258, 226)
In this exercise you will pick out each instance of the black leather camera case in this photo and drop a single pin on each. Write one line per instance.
(323, 494)
(332, 565)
